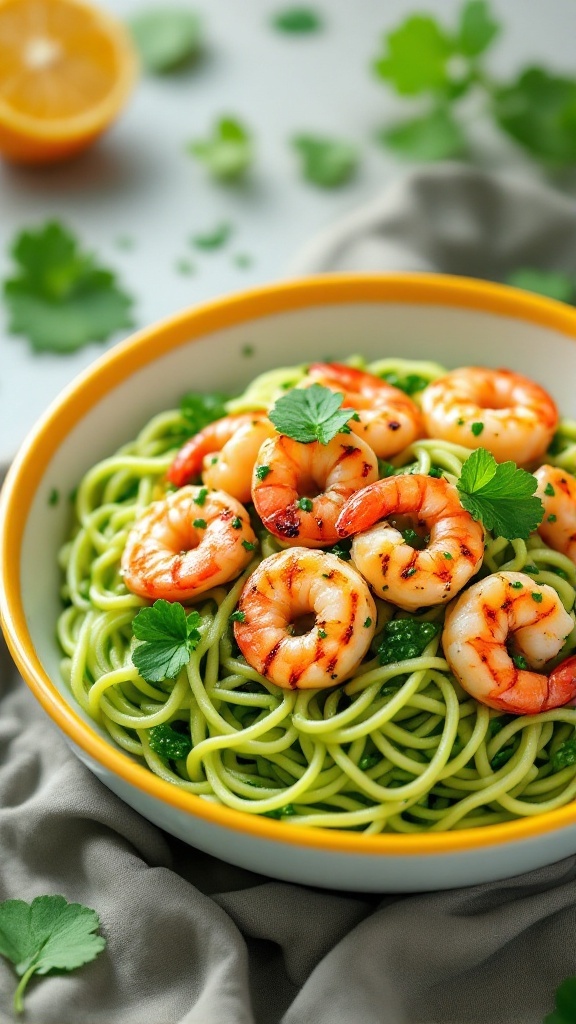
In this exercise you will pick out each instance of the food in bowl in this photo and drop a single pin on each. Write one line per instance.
(297, 659)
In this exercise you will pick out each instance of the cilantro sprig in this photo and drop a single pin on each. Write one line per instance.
(424, 59)
(59, 297)
(500, 495)
(168, 636)
(311, 414)
(48, 934)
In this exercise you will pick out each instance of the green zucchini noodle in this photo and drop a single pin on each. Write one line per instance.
(398, 748)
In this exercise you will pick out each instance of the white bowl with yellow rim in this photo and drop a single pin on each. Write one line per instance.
(454, 321)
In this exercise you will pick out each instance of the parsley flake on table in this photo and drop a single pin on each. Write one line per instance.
(433, 136)
(48, 934)
(228, 153)
(500, 495)
(310, 414)
(297, 20)
(59, 298)
(213, 239)
(166, 38)
(326, 162)
(168, 636)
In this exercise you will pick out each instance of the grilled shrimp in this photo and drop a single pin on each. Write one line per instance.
(307, 619)
(224, 453)
(431, 509)
(500, 410)
(557, 491)
(298, 489)
(187, 543)
(388, 419)
(508, 607)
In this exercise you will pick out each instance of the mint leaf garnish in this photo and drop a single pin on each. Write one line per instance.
(45, 935)
(500, 495)
(227, 153)
(168, 638)
(326, 162)
(166, 38)
(310, 414)
(59, 298)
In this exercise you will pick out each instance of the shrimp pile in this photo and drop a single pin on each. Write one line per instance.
(306, 618)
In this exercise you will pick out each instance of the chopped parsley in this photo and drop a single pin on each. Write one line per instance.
(198, 410)
(236, 523)
(263, 471)
(200, 498)
(410, 384)
(500, 495)
(342, 549)
(405, 638)
(536, 596)
(477, 429)
(200, 524)
(551, 518)
(238, 616)
(501, 758)
(327, 163)
(214, 239)
(322, 634)
(297, 20)
(167, 637)
(248, 545)
(54, 497)
(564, 756)
(549, 490)
(169, 742)
(305, 504)
(166, 38)
(227, 153)
(520, 661)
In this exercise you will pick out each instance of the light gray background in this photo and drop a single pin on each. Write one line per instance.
(139, 182)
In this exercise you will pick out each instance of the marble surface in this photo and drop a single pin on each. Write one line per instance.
(139, 183)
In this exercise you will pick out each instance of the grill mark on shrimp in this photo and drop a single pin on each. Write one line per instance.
(270, 657)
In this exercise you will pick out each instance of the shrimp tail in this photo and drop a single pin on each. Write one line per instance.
(187, 464)
(562, 683)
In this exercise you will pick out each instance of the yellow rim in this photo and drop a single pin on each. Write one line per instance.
(116, 366)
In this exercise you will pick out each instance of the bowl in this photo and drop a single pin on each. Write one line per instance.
(455, 321)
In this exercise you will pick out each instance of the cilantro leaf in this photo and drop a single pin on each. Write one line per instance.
(326, 162)
(477, 30)
(47, 934)
(539, 112)
(310, 414)
(228, 153)
(59, 298)
(168, 638)
(201, 408)
(166, 38)
(213, 239)
(405, 638)
(500, 495)
(565, 999)
(415, 56)
(297, 20)
(169, 742)
(552, 283)
(432, 136)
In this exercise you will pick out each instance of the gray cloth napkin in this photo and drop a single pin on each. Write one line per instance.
(192, 940)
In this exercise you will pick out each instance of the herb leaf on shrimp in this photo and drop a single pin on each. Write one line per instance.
(500, 495)
(310, 414)
(168, 636)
